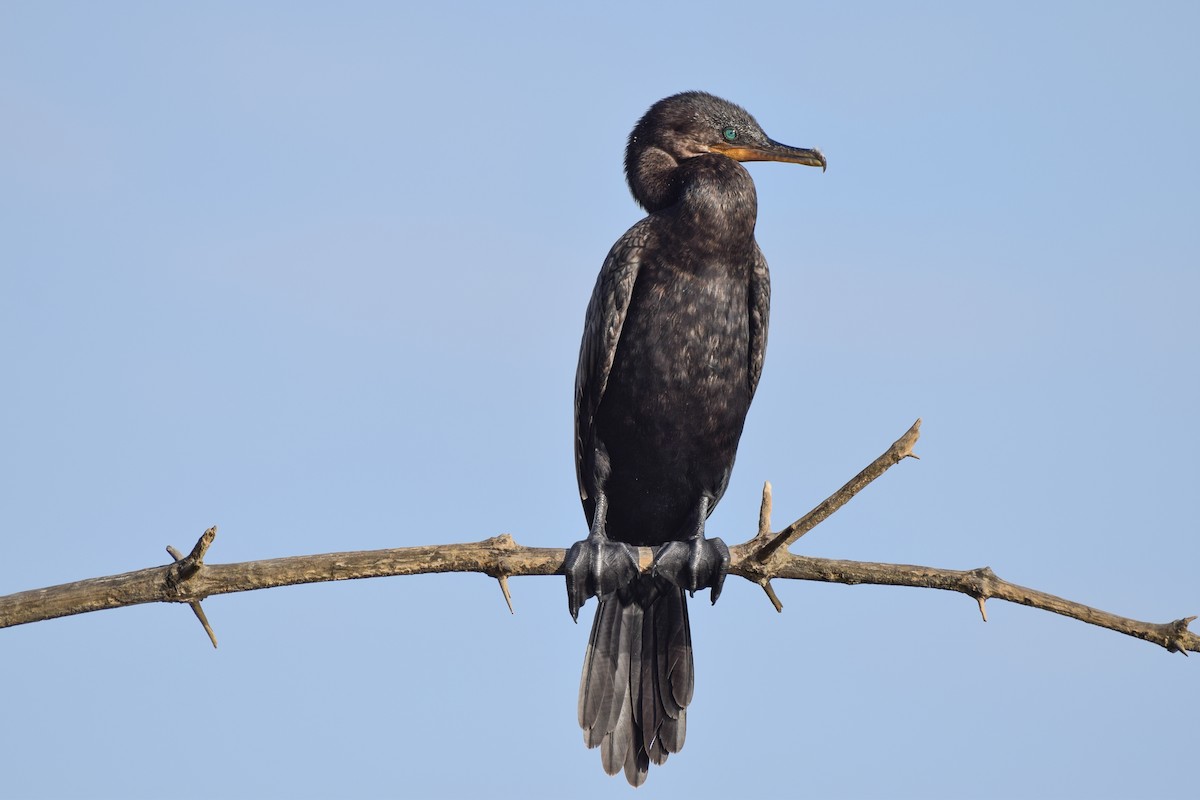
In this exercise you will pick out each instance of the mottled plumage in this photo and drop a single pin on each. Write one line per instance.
(672, 351)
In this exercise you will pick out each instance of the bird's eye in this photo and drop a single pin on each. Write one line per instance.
(730, 133)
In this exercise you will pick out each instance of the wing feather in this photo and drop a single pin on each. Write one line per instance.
(601, 332)
(760, 312)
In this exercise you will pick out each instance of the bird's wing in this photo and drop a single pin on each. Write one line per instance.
(760, 312)
(601, 332)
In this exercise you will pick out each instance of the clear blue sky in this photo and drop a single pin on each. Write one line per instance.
(317, 276)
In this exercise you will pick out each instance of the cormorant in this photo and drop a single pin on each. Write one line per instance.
(672, 351)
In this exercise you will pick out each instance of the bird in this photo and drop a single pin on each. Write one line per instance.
(673, 344)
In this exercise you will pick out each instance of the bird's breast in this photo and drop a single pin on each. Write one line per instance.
(684, 348)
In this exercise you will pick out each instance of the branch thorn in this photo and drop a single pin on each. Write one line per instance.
(765, 583)
(1180, 630)
(764, 513)
(982, 608)
(189, 567)
(503, 581)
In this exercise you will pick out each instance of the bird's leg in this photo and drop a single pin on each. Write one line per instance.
(695, 562)
(597, 566)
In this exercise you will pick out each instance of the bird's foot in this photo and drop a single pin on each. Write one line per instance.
(595, 567)
(694, 564)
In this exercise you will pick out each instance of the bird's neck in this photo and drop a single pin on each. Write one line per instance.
(716, 206)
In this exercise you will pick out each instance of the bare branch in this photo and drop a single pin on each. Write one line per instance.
(900, 450)
(497, 556)
(981, 584)
(501, 554)
(190, 580)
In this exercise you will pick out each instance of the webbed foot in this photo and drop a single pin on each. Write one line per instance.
(694, 563)
(595, 567)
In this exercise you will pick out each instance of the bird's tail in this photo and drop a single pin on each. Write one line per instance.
(637, 677)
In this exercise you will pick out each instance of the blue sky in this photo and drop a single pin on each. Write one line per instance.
(317, 276)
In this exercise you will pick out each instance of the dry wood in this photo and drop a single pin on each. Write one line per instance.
(765, 556)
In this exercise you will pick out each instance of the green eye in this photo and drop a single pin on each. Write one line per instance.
(730, 134)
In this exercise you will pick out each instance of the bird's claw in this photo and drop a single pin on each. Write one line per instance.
(595, 567)
(694, 564)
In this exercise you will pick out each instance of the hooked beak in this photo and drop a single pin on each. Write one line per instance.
(772, 151)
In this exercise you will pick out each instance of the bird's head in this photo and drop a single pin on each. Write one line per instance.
(692, 124)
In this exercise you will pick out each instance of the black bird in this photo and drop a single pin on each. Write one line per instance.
(672, 351)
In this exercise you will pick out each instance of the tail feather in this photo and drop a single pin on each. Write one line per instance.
(675, 657)
(637, 678)
(619, 728)
(599, 705)
(648, 693)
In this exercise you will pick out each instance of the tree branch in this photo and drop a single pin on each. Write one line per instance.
(765, 556)
(900, 450)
